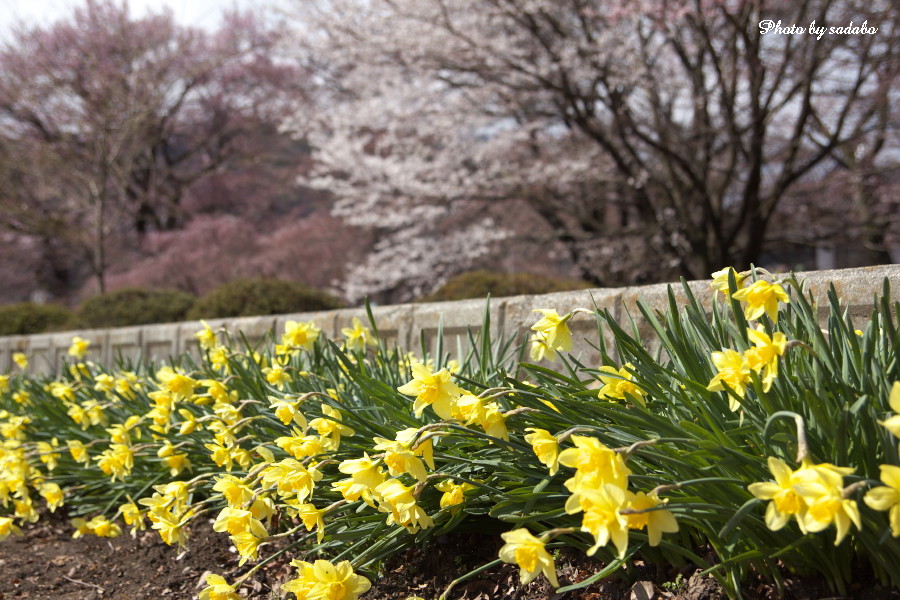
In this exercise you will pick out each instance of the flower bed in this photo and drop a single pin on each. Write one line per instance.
(752, 440)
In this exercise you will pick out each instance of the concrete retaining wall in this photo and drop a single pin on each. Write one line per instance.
(405, 323)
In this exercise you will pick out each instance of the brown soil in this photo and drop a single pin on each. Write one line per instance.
(47, 563)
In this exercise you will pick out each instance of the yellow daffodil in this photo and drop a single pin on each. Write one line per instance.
(292, 478)
(288, 411)
(733, 372)
(602, 518)
(78, 451)
(218, 589)
(133, 516)
(785, 501)
(657, 521)
(454, 494)
(621, 385)
(469, 409)
(763, 356)
(20, 359)
(330, 426)
(233, 520)
(545, 447)
(8, 527)
(298, 334)
(821, 488)
(302, 446)
(219, 357)
(720, 280)
(99, 526)
(14, 428)
(528, 552)
(398, 501)
(554, 330)
(53, 494)
(103, 527)
(104, 382)
(886, 497)
(400, 459)
(358, 336)
(326, 581)
(62, 391)
(312, 518)
(79, 347)
(117, 461)
(235, 491)
(179, 385)
(494, 422)
(892, 423)
(49, 455)
(540, 350)
(206, 336)
(762, 297)
(220, 455)
(365, 476)
(277, 376)
(424, 446)
(171, 526)
(591, 458)
(431, 389)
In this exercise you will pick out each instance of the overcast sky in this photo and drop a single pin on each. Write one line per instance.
(203, 13)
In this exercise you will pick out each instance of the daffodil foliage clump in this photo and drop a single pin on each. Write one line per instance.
(754, 438)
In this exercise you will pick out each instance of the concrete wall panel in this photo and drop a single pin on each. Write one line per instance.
(402, 324)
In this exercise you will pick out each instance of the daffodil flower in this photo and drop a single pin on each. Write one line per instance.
(763, 356)
(603, 519)
(761, 297)
(540, 350)
(79, 347)
(656, 521)
(20, 359)
(720, 280)
(887, 497)
(545, 447)
(529, 553)
(554, 330)
(8, 527)
(454, 494)
(358, 336)
(785, 502)
(892, 423)
(298, 334)
(594, 462)
(733, 372)
(431, 389)
(621, 385)
(218, 589)
(325, 580)
(206, 336)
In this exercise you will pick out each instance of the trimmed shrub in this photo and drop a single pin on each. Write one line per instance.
(478, 284)
(251, 297)
(134, 306)
(27, 317)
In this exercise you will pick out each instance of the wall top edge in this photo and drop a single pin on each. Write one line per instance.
(856, 281)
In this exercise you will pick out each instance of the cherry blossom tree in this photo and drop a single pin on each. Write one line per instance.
(652, 138)
(108, 120)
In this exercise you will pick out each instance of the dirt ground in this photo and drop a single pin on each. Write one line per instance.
(46, 563)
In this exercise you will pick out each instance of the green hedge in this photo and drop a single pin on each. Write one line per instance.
(27, 317)
(250, 297)
(478, 284)
(134, 306)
